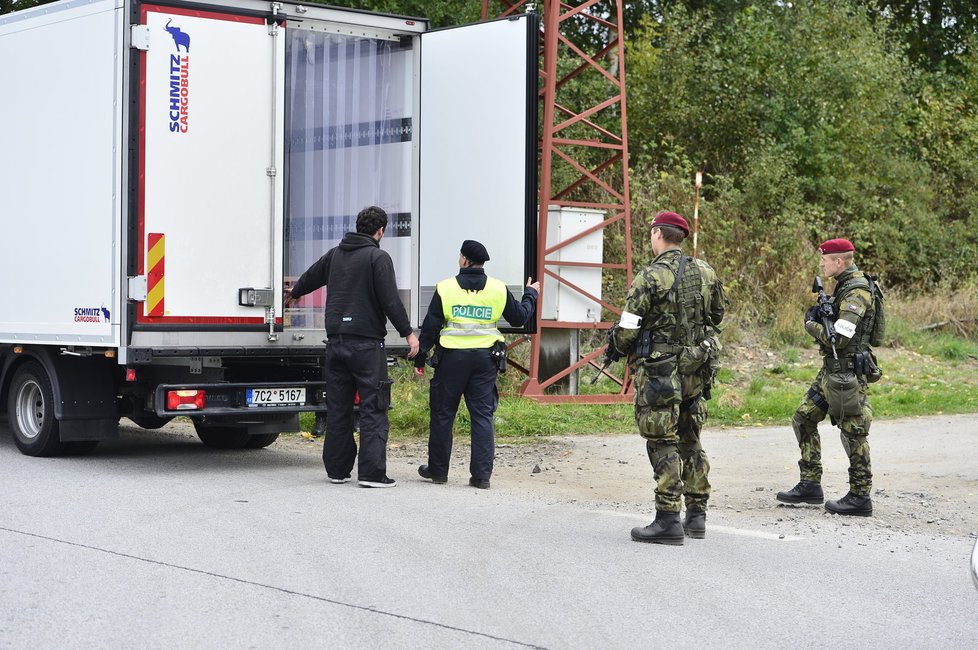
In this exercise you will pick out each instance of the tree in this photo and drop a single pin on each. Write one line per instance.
(802, 115)
(9, 6)
(937, 32)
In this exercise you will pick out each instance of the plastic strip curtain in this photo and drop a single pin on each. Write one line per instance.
(348, 145)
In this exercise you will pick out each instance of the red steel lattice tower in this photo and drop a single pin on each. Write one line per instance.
(583, 164)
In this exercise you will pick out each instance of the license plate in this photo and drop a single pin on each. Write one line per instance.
(276, 396)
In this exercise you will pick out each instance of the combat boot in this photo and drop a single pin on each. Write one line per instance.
(695, 524)
(804, 492)
(319, 428)
(666, 529)
(851, 504)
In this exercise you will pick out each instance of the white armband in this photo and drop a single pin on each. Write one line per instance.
(629, 321)
(845, 328)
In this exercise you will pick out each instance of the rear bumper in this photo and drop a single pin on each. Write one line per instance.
(231, 399)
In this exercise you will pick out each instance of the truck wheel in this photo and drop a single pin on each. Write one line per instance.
(30, 410)
(221, 437)
(261, 440)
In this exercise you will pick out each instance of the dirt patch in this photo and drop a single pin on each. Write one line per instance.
(922, 484)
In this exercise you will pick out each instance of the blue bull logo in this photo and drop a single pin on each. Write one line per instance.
(180, 37)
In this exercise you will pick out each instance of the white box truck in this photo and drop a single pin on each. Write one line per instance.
(167, 169)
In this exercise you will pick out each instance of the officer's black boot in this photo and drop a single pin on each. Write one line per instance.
(666, 529)
(804, 492)
(319, 428)
(695, 524)
(851, 504)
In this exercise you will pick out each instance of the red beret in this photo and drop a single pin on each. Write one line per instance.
(836, 246)
(671, 219)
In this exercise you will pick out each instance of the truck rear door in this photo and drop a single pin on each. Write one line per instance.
(209, 191)
(478, 149)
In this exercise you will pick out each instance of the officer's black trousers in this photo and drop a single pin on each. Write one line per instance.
(471, 373)
(353, 364)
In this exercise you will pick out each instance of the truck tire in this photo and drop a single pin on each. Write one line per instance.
(261, 440)
(222, 437)
(30, 411)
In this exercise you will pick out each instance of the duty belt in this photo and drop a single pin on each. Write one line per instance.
(839, 365)
(666, 348)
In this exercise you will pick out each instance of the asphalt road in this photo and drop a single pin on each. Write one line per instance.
(158, 542)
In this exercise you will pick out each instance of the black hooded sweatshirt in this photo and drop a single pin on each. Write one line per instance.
(361, 289)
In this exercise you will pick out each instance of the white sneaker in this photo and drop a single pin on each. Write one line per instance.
(333, 479)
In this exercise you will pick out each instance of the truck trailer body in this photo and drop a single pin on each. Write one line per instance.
(168, 169)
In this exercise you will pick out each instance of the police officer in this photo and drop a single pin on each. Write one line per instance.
(839, 390)
(462, 320)
(670, 331)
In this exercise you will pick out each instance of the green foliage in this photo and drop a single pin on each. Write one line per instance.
(809, 122)
(935, 33)
(7, 6)
(936, 375)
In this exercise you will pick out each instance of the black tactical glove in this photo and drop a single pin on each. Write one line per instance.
(812, 313)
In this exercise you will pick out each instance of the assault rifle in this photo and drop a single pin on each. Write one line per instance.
(610, 355)
(608, 360)
(825, 314)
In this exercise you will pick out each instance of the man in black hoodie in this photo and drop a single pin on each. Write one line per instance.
(362, 296)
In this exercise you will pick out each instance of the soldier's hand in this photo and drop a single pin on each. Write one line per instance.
(611, 353)
(419, 372)
(812, 313)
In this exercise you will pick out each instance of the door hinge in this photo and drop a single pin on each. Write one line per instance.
(139, 37)
(138, 288)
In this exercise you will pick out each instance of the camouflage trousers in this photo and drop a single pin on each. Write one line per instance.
(680, 467)
(855, 437)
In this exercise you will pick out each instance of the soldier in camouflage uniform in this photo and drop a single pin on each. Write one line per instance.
(840, 388)
(669, 331)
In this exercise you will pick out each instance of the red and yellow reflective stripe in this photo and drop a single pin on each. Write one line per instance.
(155, 258)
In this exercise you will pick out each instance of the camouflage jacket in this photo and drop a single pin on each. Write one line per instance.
(698, 304)
(852, 303)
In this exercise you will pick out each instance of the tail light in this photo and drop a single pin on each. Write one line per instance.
(185, 400)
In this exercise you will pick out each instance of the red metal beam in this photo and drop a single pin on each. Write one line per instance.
(602, 186)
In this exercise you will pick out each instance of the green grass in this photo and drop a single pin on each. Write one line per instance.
(933, 374)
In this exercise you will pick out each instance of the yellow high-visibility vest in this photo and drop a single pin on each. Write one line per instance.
(471, 316)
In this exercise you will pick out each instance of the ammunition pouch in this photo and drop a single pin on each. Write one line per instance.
(658, 382)
(702, 360)
(867, 367)
(644, 346)
(842, 388)
(692, 358)
(842, 364)
(498, 354)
